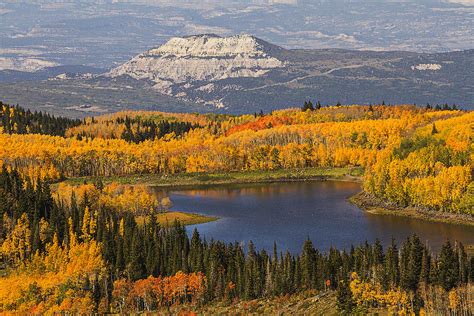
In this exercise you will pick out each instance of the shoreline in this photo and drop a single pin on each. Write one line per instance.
(186, 180)
(167, 219)
(372, 205)
(363, 201)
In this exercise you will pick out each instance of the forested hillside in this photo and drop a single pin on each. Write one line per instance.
(16, 120)
(405, 149)
(98, 247)
(86, 253)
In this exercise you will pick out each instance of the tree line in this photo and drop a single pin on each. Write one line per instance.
(138, 131)
(16, 120)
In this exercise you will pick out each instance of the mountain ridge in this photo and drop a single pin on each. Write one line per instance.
(244, 74)
(220, 71)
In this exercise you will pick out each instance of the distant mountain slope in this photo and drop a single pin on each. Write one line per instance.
(242, 73)
(105, 33)
(9, 75)
(80, 97)
(24, 64)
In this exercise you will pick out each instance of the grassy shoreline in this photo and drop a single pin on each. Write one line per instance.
(371, 205)
(168, 218)
(237, 177)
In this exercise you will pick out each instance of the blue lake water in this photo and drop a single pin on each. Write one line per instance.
(288, 213)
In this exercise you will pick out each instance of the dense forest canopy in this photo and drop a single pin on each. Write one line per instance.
(98, 247)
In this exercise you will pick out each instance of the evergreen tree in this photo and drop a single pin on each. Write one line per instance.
(308, 265)
(135, 266)
(425, 267)
(391, 266)
(434, 130)
(448, 270)
(196, 253)
(463, 263)
(411, 262)
(345, 303)
(308, 105)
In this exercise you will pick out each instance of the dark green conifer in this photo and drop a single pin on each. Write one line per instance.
(448, 269)
(345, 303)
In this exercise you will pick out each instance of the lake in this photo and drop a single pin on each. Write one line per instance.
(288, 213)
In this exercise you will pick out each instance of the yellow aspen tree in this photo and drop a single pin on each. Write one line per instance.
(17, 246)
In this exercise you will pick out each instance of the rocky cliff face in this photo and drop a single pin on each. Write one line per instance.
(197, 59)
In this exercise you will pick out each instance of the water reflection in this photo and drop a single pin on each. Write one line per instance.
(288, 213)
(434, 234)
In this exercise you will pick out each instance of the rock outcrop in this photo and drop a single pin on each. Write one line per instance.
(205, 58)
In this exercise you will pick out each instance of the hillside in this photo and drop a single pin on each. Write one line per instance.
(244, 74)
(413, 156)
